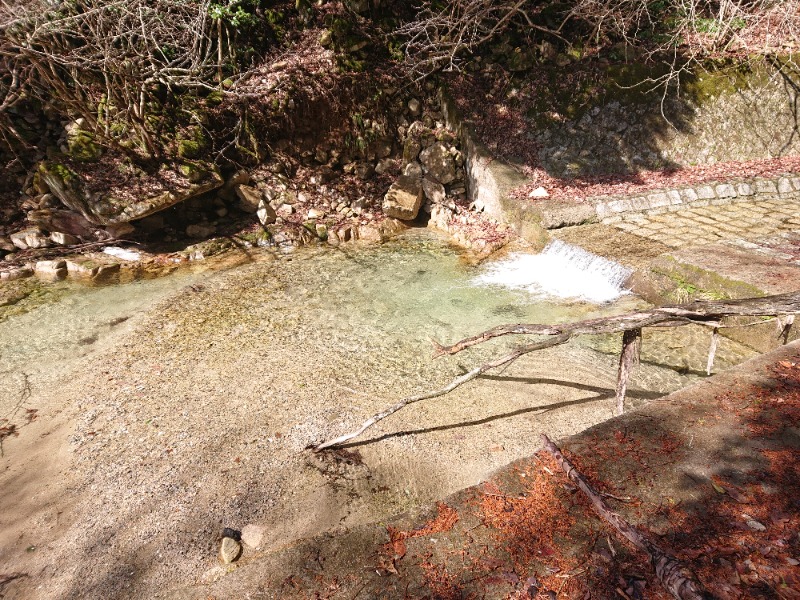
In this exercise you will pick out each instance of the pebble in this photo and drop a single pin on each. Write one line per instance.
(252, 535)
(229, 550)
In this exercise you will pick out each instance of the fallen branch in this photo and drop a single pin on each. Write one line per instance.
(457, 382)
(708, 314)
(676, 577)
(700, 313)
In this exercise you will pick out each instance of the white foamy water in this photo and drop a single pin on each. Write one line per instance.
(122, 253)
(560, 271)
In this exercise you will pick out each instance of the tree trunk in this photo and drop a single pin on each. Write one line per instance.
(628, 360)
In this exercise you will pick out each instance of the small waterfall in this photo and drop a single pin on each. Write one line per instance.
(561, 271)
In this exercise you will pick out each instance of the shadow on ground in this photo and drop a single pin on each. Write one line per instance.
(709, 473)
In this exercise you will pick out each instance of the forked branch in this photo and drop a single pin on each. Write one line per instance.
(708, 314)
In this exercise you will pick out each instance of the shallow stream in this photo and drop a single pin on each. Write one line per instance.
(190, 399)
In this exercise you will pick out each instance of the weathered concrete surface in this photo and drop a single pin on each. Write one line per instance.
(491, 180)
(692, 455)
(733, 250)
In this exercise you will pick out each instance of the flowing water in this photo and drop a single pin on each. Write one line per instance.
(411, 290)
(561, 271)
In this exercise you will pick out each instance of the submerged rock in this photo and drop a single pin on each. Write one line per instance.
(51, 269)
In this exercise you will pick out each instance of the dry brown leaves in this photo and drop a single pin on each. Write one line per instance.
(643, 181)
(395, 549)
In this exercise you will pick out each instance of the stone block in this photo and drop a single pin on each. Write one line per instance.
(267, 215)
(437, 162)
(639, 203)
(785, 186)
(674, 197)
(657, 200)
(81, 267)
(404, 198)
(433, 191)
(725, 190)
(14, 274)
(614, 206)
(744, 189)
(705, 192)
(51, 269)
(29, 238)
(106, 273)
(413, 169)
(63, 239)
(766, 186)
(688, 195)
(249, 197)
(796, 183)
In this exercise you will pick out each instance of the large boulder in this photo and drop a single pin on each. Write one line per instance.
(403, 199)
(65, 221)
(437, 163)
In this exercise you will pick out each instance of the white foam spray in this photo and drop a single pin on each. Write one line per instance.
(122, 253)
(561, 271)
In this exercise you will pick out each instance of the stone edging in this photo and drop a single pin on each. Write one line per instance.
(612, 210)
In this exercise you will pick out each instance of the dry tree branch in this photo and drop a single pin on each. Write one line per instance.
(675, 576)
(702, 313)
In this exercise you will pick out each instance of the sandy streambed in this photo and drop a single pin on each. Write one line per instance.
(193, 415)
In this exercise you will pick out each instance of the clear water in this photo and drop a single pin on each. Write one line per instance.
(418, 288)
(70, 322)
(373, 299)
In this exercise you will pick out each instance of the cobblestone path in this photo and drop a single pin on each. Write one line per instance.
(760, 223)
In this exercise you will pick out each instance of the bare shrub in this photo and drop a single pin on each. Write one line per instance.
(443, 33)
(113, 63)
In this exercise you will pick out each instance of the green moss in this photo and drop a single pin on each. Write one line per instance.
(82, 146)
(688, 282)
(62, 172)
(215, 98)
(193, 172)
(194, 145)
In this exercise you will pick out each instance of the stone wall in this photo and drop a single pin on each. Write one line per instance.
(717, 116)
(490, 181)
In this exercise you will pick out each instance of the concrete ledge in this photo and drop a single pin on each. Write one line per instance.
(490, 181)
